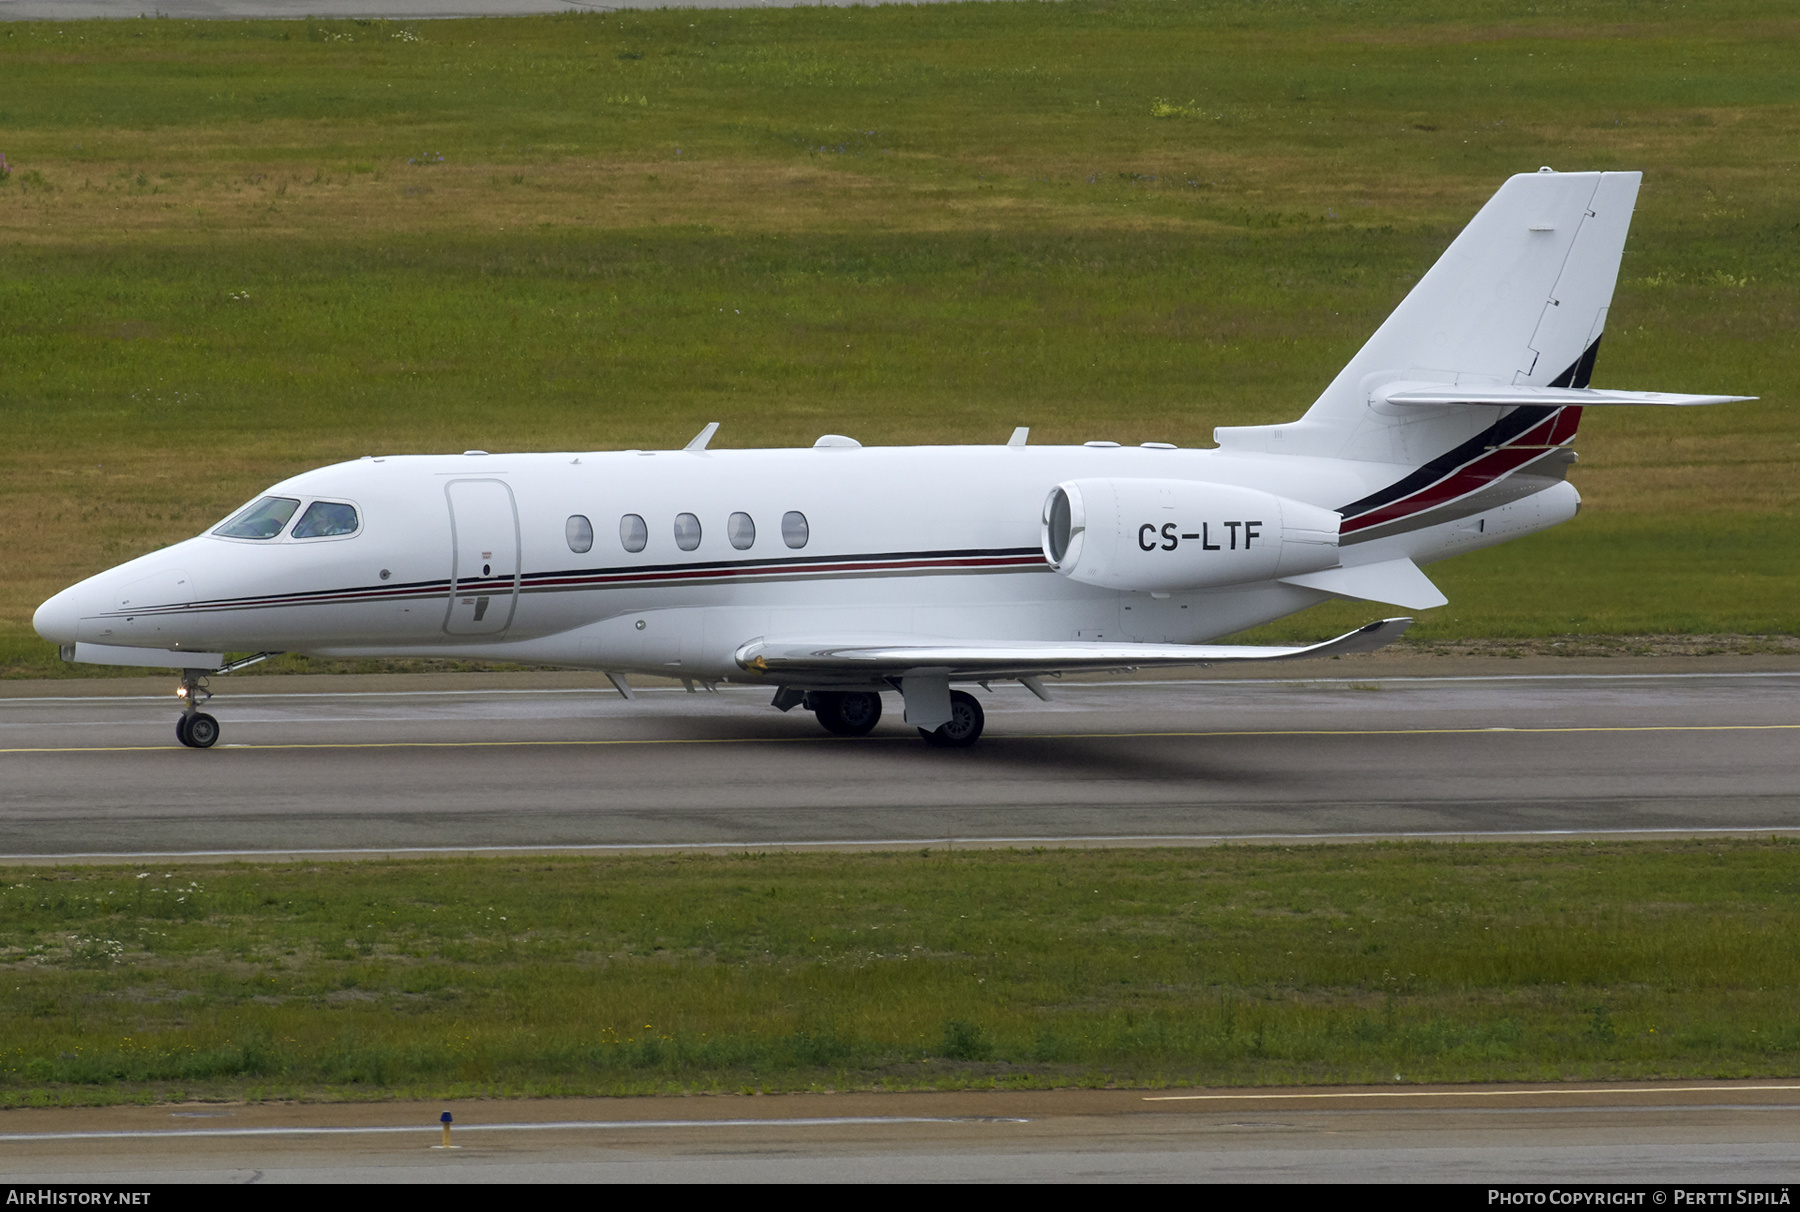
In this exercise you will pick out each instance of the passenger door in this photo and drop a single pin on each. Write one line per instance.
(484, 572)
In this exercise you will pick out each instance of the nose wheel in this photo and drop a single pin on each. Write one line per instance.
(196, 730)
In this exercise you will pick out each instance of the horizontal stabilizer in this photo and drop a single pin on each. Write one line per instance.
(867, 660)
(149, 658)
(1396, 582)
(1429, 394)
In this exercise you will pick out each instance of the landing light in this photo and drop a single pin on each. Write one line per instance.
(181, 692)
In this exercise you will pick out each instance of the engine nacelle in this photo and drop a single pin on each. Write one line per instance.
(1172, 535)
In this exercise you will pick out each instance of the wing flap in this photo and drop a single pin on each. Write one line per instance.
(866, 659)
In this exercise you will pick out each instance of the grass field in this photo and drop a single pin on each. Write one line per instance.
(233, 250)
(1232, 966)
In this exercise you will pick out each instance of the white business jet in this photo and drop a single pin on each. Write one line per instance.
(839, 573)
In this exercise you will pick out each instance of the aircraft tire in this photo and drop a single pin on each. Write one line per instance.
(181, 725)
(966, 722)
(848, 713)
(202, 730)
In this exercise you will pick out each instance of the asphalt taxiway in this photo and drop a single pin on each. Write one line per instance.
(546, 761)
(1719, 1133)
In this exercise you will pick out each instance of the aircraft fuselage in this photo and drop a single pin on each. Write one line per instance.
(475, 556)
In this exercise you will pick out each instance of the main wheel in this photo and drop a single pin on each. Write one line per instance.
(181, 733)
(202, 730)
(848, 713)
(964, 728)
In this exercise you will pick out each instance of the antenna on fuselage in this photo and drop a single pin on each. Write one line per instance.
(703, 437)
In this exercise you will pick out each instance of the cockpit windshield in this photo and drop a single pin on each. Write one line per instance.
(325, 518)
(262, 520)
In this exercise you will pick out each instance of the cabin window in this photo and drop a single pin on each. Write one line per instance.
(262, 520)
(794, 531)
(741, 530)
(580, 533)
(687, 531)
(633, 534)
(323, 519)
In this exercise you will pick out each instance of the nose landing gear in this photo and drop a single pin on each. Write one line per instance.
(194, 727)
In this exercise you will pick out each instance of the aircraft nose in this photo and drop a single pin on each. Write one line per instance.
(57, 619)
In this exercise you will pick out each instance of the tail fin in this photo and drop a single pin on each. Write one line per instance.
(1518, 299)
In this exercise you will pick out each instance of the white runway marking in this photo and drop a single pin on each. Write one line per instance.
(1345, 1094)
(389, 10)
(550, 1126)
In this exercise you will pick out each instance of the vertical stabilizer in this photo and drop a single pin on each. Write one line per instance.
(1519, 298)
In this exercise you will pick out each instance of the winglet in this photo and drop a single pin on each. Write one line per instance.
(703, 437)
(1018, 437)
(1378, 634)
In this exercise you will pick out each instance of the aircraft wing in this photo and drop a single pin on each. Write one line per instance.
(870, 659)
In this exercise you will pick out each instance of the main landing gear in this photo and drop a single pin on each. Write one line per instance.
(964, 726)
(846, 712)
(856, 712)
